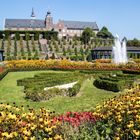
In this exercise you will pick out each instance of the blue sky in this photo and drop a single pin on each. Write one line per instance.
(120, 16)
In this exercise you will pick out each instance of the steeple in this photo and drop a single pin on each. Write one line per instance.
(49, 20)
(48, 13)
(33, 14)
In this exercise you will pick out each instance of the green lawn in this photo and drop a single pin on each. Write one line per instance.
(86, 100)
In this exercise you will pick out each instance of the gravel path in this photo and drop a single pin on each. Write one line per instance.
(65, 86)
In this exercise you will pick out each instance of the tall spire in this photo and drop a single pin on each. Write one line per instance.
(33, 14)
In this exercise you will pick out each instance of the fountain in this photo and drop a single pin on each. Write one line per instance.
(119, 51)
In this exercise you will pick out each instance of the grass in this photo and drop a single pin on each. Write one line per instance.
(86, 100)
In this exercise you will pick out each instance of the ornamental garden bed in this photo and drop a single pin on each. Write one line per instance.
(34, 87)
(117, 82)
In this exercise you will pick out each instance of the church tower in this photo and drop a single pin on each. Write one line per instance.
(33, 14)
(49, 21)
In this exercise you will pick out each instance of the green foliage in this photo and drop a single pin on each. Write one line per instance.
(86, 35)
(75, 51)
(3, 74)
(115, 82)
(34, 87)
(64, 51)
(104, 33)
(36, 55)
(75, 89)
(46, 34)
(134, 42)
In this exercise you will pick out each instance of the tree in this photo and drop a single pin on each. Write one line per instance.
(86, 35)
(33, 45)
(64, 51)
(75, 51)
(56, 48)
(39, 45)
(50, 47)
(36, 55)
(134, 42)
(81, 50)
(104, 33)
(87, 51)
(69, 50)
(2, 44)
(15, 48)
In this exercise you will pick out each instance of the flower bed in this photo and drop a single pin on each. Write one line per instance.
(117, 118)
(16, 124)
(120, 116)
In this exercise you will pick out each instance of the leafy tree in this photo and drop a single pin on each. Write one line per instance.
(56, 48)
(27, 36)
(33, 44)
(36, 55)
(69, 50)
(70, 42)
(87, 51)
(36, 36)
(81, 50)
(15, 47)
(89, 57)
(53, 56)
(86, 35)
(39, 45)
(104, 33)
(134, 42)
(75, 51)
(64, 51)
(50, 47)
(2, 44)
(29, 55)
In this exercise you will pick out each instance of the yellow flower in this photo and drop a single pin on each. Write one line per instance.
(136, 132)
(117, 138)
(131, 124)
(33, 138)
(58, 137)
(48, 129)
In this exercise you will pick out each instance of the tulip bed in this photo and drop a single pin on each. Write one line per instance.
(34, 87)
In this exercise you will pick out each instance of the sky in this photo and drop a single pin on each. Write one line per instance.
(121, 17)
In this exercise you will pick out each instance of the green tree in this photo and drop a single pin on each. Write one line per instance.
(39, 45)
(69, 50)
(104, 33)
(50, 47)
(56, 48)
(81, 50)
(15, 48)
(134, 42)
(36, 55)
(2, 44)
(36, 36)
(33, 45)
(86, 35)
(75, 51)
(64, 51)
(87, 51)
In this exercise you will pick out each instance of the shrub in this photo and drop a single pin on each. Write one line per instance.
(34, 87)
(115, 83)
